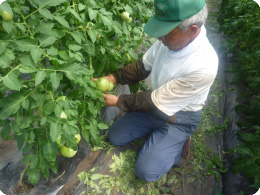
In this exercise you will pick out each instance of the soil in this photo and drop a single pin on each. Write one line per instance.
(23, 188)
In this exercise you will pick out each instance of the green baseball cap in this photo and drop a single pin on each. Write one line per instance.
(169, 14)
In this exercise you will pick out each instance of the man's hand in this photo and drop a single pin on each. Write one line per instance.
(109, 77)
(110, 100)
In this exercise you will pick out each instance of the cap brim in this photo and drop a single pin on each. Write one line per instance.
(159, 28)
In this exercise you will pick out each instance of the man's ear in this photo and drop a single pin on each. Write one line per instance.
(194, 31)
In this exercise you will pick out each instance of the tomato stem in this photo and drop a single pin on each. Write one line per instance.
(22, 174)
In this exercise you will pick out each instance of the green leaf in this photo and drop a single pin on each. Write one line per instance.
(4, 6)
(74, 13)
(81, 7)
(55, 79)
(55, 3)
(27, 60)
(8, 26)
(5, 132)
(28, 65)
(21, 27)
(133, 55)
(3, 46)
(48, 107)
(68, 141)
(78, 36)
(92, 13)
(103, 50)
(128, 9)
(116, 26)
(43, 120)
(73, 71)
(26, 104)
(36, 54)
(52, 51)
(33, 175)
(11, 81)
(46, 13)
(27, 158)
(26, 122)
(50, 151)
(57, 110)
(70, 129)
(40, 76)
(102, 126)
(45, 28)
(11, 105)
(6, 58)
(62, 21)
(89, 48)
(93, 35)
(55, 131)
(20, 141)
(34, 162)
(107, 21)
(25, 44)
(27, 69)
(85, 134)
(93, 130)
(75, 47)
(16, 128)
(46, 40)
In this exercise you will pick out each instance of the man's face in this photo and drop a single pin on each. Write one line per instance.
(176, 40)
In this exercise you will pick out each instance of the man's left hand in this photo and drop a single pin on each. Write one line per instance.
(110, 100)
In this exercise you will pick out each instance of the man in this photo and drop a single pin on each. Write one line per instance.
(183, 66)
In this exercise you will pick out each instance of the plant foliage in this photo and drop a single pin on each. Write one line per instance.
(241, 24)
(49, 54)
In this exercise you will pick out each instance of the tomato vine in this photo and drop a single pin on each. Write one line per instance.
(50, 50)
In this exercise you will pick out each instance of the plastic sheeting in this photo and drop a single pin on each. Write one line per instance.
(11, 168)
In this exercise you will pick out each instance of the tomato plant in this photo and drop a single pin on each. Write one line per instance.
(242, 44)
(49, 53)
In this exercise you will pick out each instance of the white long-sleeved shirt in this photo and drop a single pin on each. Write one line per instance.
(181, 80)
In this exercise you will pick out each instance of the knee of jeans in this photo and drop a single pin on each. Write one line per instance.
(113, 138)
(144, 173)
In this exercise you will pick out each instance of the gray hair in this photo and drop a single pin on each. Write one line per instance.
(198, 19)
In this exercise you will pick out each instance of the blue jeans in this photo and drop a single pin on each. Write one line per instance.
(164, 146)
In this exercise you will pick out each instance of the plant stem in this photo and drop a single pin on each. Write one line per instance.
(22, 174)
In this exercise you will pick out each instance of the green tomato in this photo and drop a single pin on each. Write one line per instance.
(67, 152)
(125, 16)
(78, 138)
(6, 16)
(103, 84)
(129, 20)
(111, 86)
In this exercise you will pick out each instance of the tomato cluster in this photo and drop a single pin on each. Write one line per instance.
(104, 85)
(65, 150)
